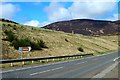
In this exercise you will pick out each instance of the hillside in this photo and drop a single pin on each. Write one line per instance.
(56, 43)
(86, 27)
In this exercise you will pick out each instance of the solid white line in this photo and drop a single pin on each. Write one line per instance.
(116, 58)
(104, 72)
(52, 63)
(46, 71)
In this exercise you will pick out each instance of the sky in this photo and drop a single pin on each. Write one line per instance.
(41, 13)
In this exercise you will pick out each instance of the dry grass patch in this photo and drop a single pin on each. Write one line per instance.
(58, 43)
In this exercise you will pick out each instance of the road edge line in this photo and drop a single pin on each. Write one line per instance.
(104, 72)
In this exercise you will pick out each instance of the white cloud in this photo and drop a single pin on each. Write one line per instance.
(78, 10)
(44, 23)
(57, 12)
(95, 0)
(114, 17)
(8, 10)
(36, 23)
(90, 9)
(32, 23)
(59, 0)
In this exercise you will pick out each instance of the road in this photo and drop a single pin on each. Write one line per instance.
(82, 68)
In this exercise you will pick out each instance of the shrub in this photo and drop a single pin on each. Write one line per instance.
(41, 44)
(27, 42)
(24, 42)
(35, 46)
(80, 49)
(10, 35)
(21, 43)
(66, 40)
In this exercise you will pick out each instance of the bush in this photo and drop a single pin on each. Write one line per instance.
(21, 43)
(27, 42)
(35, 46)
(24, 42)
(81, 49)
(66, 40)
(10, 35)
(41, 44)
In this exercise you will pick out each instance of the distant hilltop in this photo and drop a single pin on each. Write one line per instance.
(6, 20)
(86, 26)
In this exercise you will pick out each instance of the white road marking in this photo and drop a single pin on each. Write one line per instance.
(82, 62)
(24, 68)
(116, 58)
(104, 72)
(39, 72)
(95, 59)
(45, 71)
(57, 68)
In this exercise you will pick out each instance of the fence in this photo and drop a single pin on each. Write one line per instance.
(45, 58)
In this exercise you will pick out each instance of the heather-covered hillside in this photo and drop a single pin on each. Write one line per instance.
(86, 27)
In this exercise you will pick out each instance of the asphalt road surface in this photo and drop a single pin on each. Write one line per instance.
(82, 68)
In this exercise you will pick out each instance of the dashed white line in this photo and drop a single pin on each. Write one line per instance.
(79, 63)
(57, 68)
(45, 71)
(39, 72)
(24, 68)
(82, 62)
(95, 59)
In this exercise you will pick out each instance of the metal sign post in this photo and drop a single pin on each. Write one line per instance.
(20, 49)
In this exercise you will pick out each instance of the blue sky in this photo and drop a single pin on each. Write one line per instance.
(43, 13)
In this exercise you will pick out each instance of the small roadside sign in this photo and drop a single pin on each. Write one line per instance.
(24, 49)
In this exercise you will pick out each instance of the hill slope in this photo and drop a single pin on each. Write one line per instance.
(58, 43)
(85, 27)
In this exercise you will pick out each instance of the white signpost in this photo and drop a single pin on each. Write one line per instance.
(29, 51)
